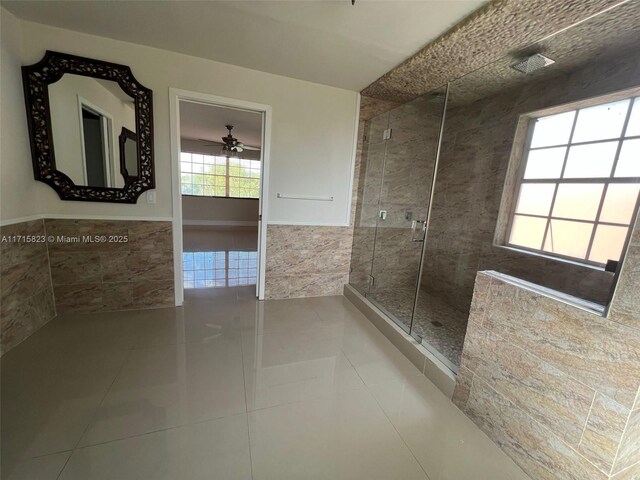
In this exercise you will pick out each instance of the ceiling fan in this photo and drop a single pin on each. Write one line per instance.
(229, 143)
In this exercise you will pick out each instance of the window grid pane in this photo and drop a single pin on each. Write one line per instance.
(562, 207)
(215, 176)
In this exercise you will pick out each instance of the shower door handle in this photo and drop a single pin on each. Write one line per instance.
(418, 230)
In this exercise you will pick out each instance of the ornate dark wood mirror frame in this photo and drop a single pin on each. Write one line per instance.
(36, 79)
(126, 135)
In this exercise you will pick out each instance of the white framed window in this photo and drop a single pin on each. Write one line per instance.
(577, 194)
(218, 176)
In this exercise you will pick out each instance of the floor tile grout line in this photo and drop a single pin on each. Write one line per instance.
(400, 435)
(159, 430)
(246, 405)
(90, 422)
(388, 419)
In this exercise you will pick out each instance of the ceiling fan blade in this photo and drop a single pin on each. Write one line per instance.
(249, 147)
(213, 142)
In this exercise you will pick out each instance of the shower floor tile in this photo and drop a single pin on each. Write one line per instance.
(232, 388)
(436, 322)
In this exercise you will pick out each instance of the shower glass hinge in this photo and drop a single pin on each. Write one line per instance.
(372, 280)
(386, 135)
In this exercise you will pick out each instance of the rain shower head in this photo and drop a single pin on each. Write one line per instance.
(533, 63)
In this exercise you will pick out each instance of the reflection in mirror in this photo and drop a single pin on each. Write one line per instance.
(87, 115)
(128, 154)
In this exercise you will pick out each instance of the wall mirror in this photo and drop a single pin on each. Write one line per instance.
(90, 127)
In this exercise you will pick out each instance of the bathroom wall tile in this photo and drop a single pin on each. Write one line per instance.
(625, 307)
(447, 57)
(331, 258)
(135, 270)
(635, 237)
(20, 317)
(118, 296)
(75, 267)
(629, 452)
(603, 432)
(69, 235)
(18, 250)
(553, 385)
(481, 296)
(373, 107)
(277, 287)
(476, 152)
(26, 294)
(317, 285)
(134, 266)
(631, 473)
(150, 236)
(537, 450)
(463, 387)
(23, 279)
(153, 294)
(545, 393)
(599, 353)
(86, 297)
(305, 261)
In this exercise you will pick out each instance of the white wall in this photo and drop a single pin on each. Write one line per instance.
(66, 120)
(18, 189)
(312, 140)
(219, 211)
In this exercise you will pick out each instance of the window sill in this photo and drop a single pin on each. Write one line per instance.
(550, 257)
(585, 305)
(219, 196)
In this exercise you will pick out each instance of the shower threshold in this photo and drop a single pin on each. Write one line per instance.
(426, 359)
(419, 339)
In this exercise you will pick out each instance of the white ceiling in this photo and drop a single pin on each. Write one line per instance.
(207, 122)
(199, 121)
(328, 42)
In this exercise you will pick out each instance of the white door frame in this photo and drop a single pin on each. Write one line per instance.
(175, 97)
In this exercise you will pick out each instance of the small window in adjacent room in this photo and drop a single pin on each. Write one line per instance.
(578, 193)
(219, 176)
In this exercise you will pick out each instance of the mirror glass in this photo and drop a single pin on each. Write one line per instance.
(93, 126)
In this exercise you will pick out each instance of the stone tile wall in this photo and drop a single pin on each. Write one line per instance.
(307, 261)
(111, 275)
(499, 28)
(26, 296)
(476, 153)
(557, 387)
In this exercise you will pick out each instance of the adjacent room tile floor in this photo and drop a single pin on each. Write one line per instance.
(227, 387)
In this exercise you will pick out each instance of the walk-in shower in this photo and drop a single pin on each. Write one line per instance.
(438, 185)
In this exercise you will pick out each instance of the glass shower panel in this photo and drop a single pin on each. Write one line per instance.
(407, 175)
(368, 199)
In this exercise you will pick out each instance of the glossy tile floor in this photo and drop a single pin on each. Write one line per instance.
(227, 387)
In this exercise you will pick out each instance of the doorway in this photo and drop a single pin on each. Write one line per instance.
(220, 160)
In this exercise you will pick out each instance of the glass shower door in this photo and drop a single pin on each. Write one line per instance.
(405, 182)
(368, 202)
